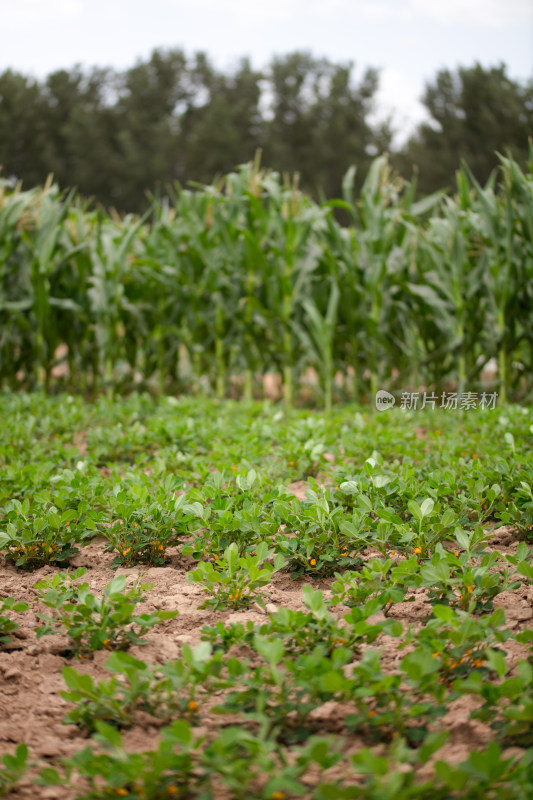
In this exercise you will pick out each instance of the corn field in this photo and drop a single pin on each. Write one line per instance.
(219, 285)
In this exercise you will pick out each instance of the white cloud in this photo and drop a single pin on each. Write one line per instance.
(398, 96)
(494, 13)
(38, 10)
(271, 11)
(483, 12)
(301, 10)
(376, 10)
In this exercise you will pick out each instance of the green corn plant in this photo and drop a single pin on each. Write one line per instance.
(15, 280)
(230, 281)
(495, 218)
(448, 287)
(111, 251)
(318, 336)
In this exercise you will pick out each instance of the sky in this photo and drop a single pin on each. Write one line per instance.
(407, 40)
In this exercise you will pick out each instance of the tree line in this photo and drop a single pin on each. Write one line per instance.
(116, 135)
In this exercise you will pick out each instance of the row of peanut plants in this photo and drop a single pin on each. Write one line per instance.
(217, 286)
(396, 503)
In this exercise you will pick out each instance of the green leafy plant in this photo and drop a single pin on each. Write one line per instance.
(91, 622)
(432, 526)
(7, 625)
(453, 643)
(165, 692)
(234, 581)
(141, 535)
(378, 579)
(453, 579)
(13, 768)
(32, 541)
(244, 763)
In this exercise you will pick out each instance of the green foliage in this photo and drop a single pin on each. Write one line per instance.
(32, 541)
(475, 112)
(213, 289)
(92, 622)
(174, 117)
(234, 580)
(13, 768)
(167, 692)
(7, 625)
(183, 765)
(214, 480)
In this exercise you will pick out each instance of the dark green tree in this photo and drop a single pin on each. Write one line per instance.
(474, 113)
(147, 110)
(222, 126)
(319, 123)
(22, 128)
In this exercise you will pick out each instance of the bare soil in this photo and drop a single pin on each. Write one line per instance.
(32, 710)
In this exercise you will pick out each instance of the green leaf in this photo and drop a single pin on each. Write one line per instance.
(496, 661)
(427, 507)
(271, 651)
(107, 733)
(415, 509)
(445, 613)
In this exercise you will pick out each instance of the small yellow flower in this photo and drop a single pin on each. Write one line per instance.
(456, 553)
(474, 456)
(122, 792)
(68, 523)
(292, 463)
(344, 554)
(191, 705)
(417, 550)
(278, 796)
(50, 549)
(436, 655)
(437, 432)
(234, 468)
(161, 547)
(134, 524)
(313, 562)
(126, 551)
(470, 588)
(172, 790)
(477, 662)
(463, 454)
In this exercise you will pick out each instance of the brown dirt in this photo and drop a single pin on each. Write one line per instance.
(31, 708)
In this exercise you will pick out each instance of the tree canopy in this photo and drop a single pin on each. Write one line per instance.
(474, 113)
(117, 135)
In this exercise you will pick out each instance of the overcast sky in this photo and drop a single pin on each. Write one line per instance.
(409, 40)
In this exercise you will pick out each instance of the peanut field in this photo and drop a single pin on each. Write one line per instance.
(211, 599)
